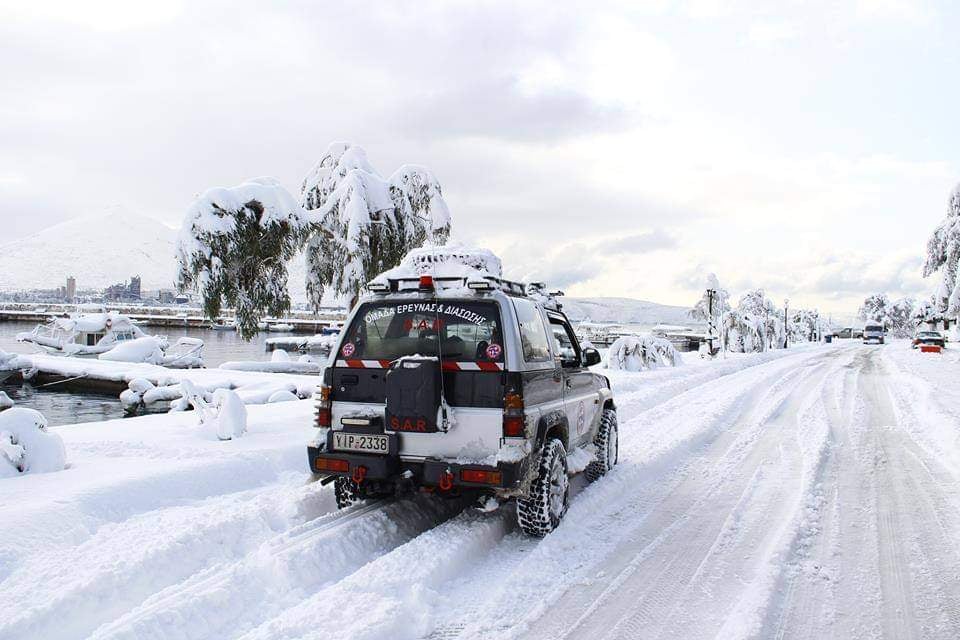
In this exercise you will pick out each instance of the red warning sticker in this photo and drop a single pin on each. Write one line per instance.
(494, 351)
(348, 349)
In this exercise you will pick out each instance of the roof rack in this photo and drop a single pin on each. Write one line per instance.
(410, 284)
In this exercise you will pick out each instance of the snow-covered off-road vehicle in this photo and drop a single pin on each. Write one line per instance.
(450, 379)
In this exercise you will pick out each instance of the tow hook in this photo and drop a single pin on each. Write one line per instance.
(446, 480)
(359, 473)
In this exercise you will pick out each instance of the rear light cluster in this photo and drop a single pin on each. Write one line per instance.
(324, 419)
(513, 422)
(480, 476)
(332, 464)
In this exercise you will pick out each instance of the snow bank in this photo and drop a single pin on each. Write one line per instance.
(27, 446)
(636, 353)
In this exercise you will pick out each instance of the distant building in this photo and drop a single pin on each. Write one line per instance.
(134, 289)
(71, 292)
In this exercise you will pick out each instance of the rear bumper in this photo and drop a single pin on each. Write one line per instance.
(432, 472)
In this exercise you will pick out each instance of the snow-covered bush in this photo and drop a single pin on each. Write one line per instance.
(636, 353)
(943, 255)
(235, 243)
(27, 445)
(231, 420)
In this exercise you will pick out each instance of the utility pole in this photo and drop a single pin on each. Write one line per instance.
(786, 322)
(711, 325)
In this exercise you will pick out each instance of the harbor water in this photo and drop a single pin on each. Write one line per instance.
(62, 408)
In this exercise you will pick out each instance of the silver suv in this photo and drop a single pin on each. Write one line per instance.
(873, 333)
(460, 385)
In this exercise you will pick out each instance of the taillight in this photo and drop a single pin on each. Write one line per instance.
(513, 422)
(426, 283)
(481, 477)
(332, 464)
(324, 419)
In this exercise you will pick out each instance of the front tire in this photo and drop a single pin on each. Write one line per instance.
(607, 444)
(541, 513)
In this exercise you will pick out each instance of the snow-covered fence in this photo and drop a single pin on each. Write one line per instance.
(636, 353)
(27, 446)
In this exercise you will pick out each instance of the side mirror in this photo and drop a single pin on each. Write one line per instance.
(591, 357)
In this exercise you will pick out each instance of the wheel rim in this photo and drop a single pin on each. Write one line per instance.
(558, 488)
(612, 447)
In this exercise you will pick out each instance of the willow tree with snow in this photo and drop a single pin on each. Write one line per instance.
(943, 256)
(235, 243)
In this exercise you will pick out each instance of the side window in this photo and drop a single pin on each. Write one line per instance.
(533, 335)
(565, 340)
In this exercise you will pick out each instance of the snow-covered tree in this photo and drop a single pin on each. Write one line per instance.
(926, 314)
(943, 255)
(721, 301)
(235, 243)
(875, 308)
(372, 222)
(803, 325)
(900, 318)
(744, 329)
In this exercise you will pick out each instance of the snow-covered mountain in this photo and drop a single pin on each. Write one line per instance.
(624, 310)
(97, 250)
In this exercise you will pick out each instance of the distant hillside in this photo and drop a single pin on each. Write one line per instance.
(624, 310)
(98, 251)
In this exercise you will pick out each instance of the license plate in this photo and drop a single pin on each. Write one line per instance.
(361, 443)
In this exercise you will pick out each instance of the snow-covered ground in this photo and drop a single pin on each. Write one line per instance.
(802, 494)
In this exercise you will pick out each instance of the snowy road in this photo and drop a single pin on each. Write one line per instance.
(807, 494)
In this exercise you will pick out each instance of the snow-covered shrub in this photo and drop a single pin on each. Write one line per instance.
(636, 353)
(231, 420)
(235, 243)
(147, 349)
(282, 395)
(27, 445)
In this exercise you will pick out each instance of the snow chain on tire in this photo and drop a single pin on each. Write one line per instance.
(607, 445)
(534, 514)
(347, 492)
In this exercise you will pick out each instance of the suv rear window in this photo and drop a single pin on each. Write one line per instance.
(459, 330)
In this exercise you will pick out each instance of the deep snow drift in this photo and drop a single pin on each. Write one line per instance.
(807, 493)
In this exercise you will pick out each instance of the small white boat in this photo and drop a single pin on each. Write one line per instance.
(83, 334)
(280, 327)
(223, 325)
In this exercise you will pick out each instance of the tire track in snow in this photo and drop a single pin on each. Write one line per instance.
(523, 576)
(67, 591)
(677, 583)
(230, 598)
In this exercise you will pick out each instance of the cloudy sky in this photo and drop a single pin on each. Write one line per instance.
(620, 149)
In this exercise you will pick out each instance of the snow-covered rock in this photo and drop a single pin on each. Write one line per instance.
(27, 445)
(5, 401)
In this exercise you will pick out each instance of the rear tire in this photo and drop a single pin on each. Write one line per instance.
(347, 492)
(541, 513)
(607, 444)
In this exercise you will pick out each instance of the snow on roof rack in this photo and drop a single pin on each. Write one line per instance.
(457, 267)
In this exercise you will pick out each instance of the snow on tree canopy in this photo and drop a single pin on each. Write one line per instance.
(234, 246)
(371, 223)
(943, 255)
